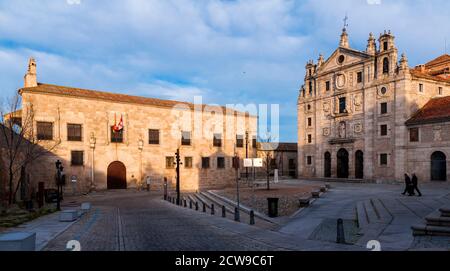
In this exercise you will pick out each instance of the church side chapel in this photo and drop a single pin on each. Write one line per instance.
(367, 115)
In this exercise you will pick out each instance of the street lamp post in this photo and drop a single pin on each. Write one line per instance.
(178, 163)
(59, 170)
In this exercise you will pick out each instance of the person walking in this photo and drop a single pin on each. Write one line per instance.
(408, 185)
(415, 184)
(147, 181)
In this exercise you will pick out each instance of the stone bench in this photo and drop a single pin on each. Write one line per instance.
(304, 202)
(68, 216)
(18, 241)
(315, 194)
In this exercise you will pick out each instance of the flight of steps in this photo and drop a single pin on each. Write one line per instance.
(437, 224)
(373, 218)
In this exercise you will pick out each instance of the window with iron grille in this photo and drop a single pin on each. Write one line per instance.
(74, 132)
(359, 76)
(220, 162)
(309, 138)
(116, 137)
(77, 158)
(239, 141)
(44, 130)
(170, 162)
(205, 162)
(153, 136)
(383, 159)
(186, 138)
(342, 105)
(188, 162)
(383, 130)
(414, 135)
(217, 140)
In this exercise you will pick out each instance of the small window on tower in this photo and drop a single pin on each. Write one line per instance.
(309, 122)
(327, 86)
(440, 91)
(383, 109)
(385, 46)
(385, 65)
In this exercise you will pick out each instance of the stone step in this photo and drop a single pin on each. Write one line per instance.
(445, 211)
(424, 230)
(372, 214)
(438, 221)
(381, 211)
(361, 213)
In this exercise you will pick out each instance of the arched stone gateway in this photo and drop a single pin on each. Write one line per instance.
(359, 165)
(342, 164)
(117, 176)
(438, 166)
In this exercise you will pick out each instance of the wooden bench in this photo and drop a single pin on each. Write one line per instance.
(304, 202)
(315, 194)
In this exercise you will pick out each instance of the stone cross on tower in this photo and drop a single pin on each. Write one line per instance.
(344, 36)
(345, 22)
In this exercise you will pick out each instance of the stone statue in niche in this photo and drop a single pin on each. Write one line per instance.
(342, 129)
(358, 102)
(326, 107)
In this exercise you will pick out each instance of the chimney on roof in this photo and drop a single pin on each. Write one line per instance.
(30, 76)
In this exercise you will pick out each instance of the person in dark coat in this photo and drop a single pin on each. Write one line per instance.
(415, 184)
(408, 186)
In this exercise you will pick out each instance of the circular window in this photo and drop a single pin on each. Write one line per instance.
(383, 90)
(341, 59)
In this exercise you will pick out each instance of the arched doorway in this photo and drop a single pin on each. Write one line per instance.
(438, 166)
(327, 165)
(359, 165)
(342, 164)
(117, 176)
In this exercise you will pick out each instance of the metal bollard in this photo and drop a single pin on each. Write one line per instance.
(190, 204)
(224, 211)
(237, 217)
(185, 203)
(252, 217)
(196, 205)
(213, 212)
(204, 207)
(340, 238)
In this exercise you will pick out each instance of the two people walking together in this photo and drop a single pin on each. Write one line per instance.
(411, 185)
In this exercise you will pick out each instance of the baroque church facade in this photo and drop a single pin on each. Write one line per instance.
(115, 141)
(367, 115)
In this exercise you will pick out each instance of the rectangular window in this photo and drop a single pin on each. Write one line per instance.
(359, 76)
(217, 140)
(170, 162)
(414, 135)
(342, 105)
(74, 132)
(220, 162)
(239, 141)
(420, 87)
(116, 137)
(439, 90)
(205, 162)
(188, 162)
(383, 130)
(309, 122)
(327, 85)
(383, 108)
(385, 46)
(254, 144)
(186, 138)
(44, 130)
(309, 138)
(383, 159)
(77, 158)
(309, 160)
(153, 136)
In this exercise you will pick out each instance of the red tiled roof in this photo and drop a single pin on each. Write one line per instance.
(417, 73)
(277, 146)
(106, 96)
(439, 60)
(436, 110)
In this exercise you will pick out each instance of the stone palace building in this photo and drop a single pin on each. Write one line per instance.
(107, 140)
(368, 115)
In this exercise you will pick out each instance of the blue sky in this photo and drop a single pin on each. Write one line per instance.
(250, 51)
